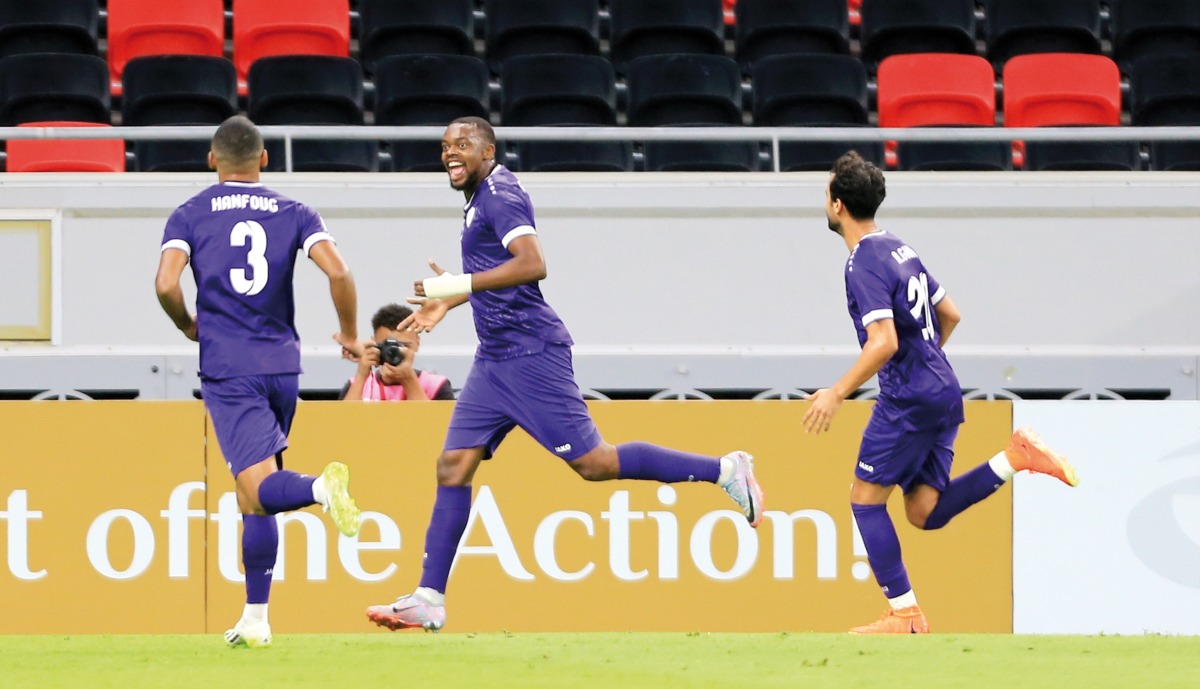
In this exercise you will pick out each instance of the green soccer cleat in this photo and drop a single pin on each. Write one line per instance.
(338, 503)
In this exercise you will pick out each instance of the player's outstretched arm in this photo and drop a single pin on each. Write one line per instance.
(343, 292)
(526, 265)
(170, 294)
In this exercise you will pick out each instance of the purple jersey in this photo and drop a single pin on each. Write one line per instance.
(514, 321)
(886, 279)
(242, 239)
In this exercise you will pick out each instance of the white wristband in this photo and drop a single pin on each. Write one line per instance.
(447, 285)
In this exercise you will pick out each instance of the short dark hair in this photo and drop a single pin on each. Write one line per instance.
(237, 141)
(859, 184)
(389, 316)
(484, 127)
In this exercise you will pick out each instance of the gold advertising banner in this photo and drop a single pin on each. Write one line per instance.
(544, 549)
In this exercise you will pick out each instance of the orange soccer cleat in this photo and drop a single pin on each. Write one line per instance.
(1027, 452)
(908, 620)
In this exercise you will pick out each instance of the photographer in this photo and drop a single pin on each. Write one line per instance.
(385, 371)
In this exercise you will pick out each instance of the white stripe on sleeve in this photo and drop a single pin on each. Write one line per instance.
(316, 237)
(939, 295)
(177, 244)
(876, 315)
(515, 232)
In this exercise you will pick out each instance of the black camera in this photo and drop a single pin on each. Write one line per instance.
(391, 351)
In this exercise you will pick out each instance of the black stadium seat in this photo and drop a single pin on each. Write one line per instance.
(413, 90)
(311, 90)
(899, 27)
(1165, 91)
(787, 27)
(48, 26)
(813, 91)
(541, 27)
(39, 87)
(663, 27)
(177, 90)
(689, 90)
(1024, 27)
(1141, 28)
(415, 27)
(563, 90)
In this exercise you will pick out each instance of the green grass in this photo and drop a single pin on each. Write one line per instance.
(608, 661)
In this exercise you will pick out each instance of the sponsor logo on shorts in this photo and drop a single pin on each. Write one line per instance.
(562, 448)
(866, 467)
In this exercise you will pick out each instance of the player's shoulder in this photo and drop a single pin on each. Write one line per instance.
(501, 185)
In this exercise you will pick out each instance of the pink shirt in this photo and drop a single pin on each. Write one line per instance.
(374, 391)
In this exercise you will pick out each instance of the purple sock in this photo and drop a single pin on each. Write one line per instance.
(450, 511)
(964, 491)
(653, 463)
(883, 548)
(260, 547)
(285, 490)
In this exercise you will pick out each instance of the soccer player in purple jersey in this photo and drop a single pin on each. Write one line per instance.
(241, 240)
(522, 374)
(903, 318)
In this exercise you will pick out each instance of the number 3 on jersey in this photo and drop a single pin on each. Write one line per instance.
(918, 296)
(256, 257)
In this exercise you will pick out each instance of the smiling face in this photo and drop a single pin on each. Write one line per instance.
(467, 156)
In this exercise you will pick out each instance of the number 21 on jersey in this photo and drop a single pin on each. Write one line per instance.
(256, 257)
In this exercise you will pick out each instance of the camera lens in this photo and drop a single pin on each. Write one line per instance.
(391, 352)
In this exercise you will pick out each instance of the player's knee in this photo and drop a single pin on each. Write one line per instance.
(588, 471)
(598, 465)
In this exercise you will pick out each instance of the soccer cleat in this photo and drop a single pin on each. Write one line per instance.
(340, 506)
(1027, 452)
(744, 488)
(249, 635)
(408, 612)
(908, 620)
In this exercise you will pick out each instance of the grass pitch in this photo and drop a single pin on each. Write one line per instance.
(601, 661)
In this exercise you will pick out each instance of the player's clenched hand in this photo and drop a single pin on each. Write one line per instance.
(352, 349)
(825, 403)
(419, 285)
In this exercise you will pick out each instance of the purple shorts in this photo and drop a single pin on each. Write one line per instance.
(892, 455)
(252, 416)
(536, 392)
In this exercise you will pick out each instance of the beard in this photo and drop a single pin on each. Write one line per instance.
(834, 225)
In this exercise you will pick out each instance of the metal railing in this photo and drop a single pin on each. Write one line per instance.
(772, 135)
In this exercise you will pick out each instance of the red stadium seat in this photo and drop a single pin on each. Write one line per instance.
(941, 89)
(1064, 90)
(931, 89)
(1061, 89)
(265, 28)
(137, 28)
(66, 155)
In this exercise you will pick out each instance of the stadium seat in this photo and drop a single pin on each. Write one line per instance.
(48, 26)
(689, 90)
(540, 27)
(664, 27)
(415, 27)
(1165, 91)
(785, 27)
(65, 155)
(311, 90)
(932, 90)
(177, 90)
(1024, 27)
(1062, 90)
(412, 90)
(563, 90)
(265, 28)
(1141, 28)
(813, 91)
(60, 87)
(898, 27)
(138, 28)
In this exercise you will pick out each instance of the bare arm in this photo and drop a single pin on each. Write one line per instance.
(170, 294)
(948, 319)
(880, 346)
(527, 265)
(341, 288)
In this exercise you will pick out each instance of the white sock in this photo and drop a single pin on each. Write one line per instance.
(727, 468)
(904, 600)
(254, 613)
(431, 596)
(320, 495)
(1000, 465)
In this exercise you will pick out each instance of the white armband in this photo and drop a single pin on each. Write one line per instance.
(447, 285)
